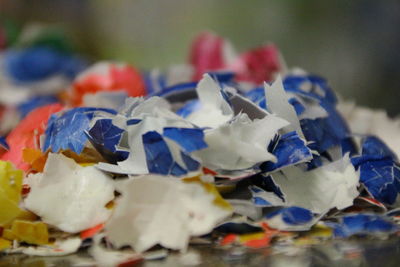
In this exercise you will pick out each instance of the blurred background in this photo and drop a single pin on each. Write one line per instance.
(354, 44)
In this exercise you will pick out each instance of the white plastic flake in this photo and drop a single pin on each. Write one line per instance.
(241, 143)
(162, 210)
(69, 196)
(321, 189)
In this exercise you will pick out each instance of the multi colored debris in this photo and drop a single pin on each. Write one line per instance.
(229, 149)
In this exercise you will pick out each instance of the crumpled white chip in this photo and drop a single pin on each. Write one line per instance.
(319, 190)
(241, 143)
(162, 210)
(278, 103)
(69, 196)
(215, 110)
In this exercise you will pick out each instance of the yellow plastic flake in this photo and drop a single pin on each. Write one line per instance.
(26, 215)
(248, 237)
(10, 181)
(320, 231)
(210, 188)
(4, 244)
(87, 164)
(9, 210)
(9, 235)
(10, 192)
(306, 241)
(224, 189)
(31, 232)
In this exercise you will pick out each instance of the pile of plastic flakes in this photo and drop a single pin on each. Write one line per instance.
(229, 149)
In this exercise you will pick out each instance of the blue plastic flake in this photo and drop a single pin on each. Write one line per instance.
(325, 133)
(132, 122)
(266, 183)
(382, 179)
(362, 224)
(189, 139)
(257, 96)
(290, 150)
(3, 143)
(298, 107)
(35, 102)
(349, 146)
(158, 156)
(66, 130)
(372, 145)
(223, 77)
(105, 137)
(292, 215)
(191, 164)
(72, 66)
(310, 86)
(189, 108)
(261, 202)
(373, 148)
(38, 63)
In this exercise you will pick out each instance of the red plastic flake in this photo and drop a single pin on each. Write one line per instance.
(27, 133)
(124, 77)
(206, 54)
(228, 239)
(258, 65)
(259, 243)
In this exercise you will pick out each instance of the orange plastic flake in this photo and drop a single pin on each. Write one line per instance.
(259, 243)
(87, 157)
(35, 158)
(31, 232)
(91, 231)
(255, 240)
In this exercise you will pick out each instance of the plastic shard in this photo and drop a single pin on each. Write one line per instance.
(162, 210)
(319, 190)
(241, 143)
(278, 103)
(68, 196)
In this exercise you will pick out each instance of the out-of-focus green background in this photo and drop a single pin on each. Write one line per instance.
(354, 44)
